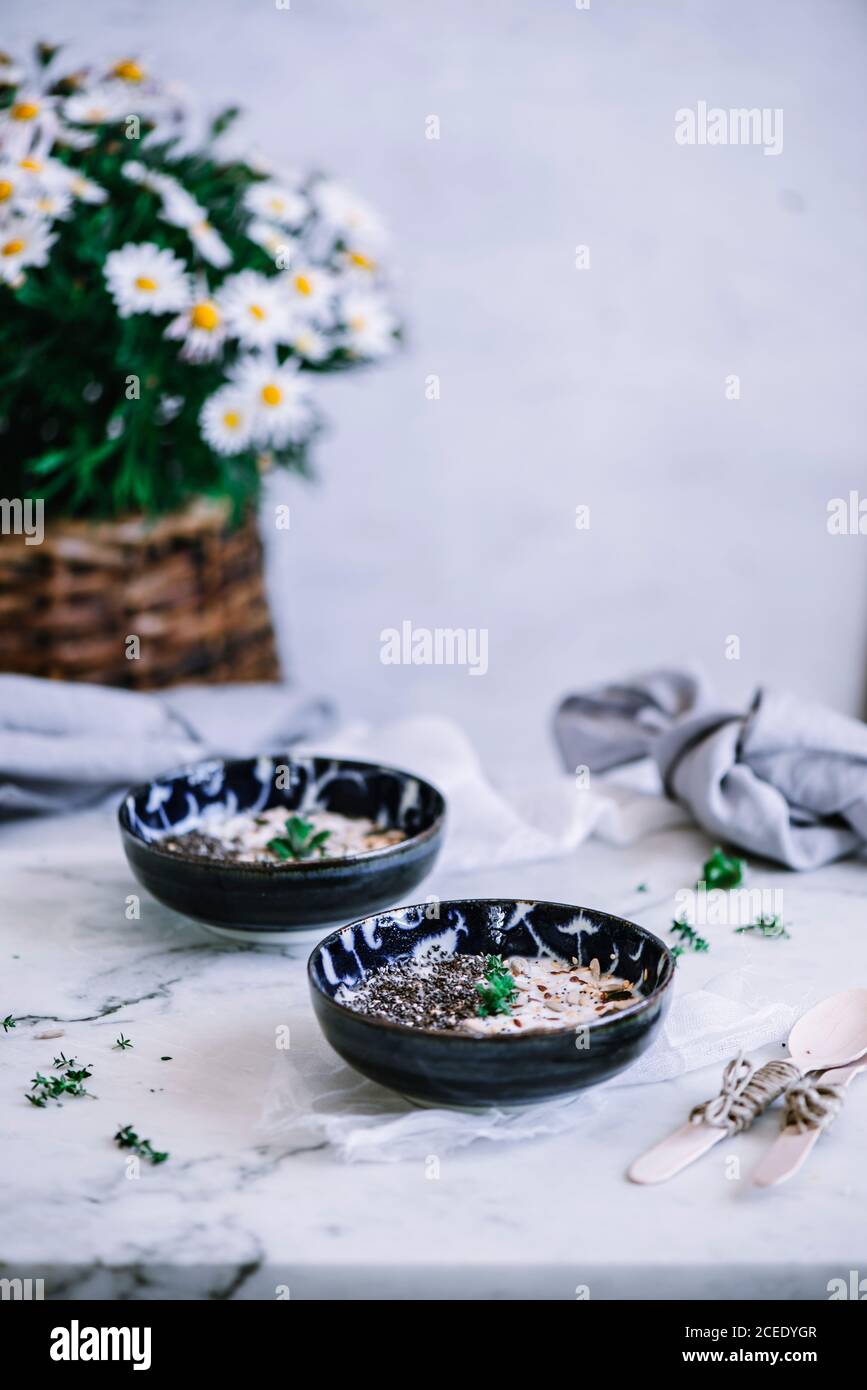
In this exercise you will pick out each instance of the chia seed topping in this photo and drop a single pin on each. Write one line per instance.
(439, 994)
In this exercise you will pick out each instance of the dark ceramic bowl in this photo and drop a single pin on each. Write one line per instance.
(267, 903)
(506, 1068)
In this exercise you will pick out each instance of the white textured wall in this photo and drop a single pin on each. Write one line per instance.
(561, 387)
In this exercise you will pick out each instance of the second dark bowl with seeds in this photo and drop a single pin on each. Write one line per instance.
(395, 1041)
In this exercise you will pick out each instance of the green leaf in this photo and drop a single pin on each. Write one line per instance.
(222, 121)
(723, 871)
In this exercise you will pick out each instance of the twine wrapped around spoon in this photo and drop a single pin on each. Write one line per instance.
(746, 1091)
(812, 1105)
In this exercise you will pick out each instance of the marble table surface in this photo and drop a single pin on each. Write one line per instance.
(229, 1216)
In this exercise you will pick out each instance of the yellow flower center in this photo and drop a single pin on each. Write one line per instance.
(357, 323)
(276, 204)
(303, 285)
(128, 70)
(257, 311)
(205, 315)
(144, 282)
(25, 111)
(33, 166)
(201, 227)
(363, 262)
(6, 190)
(231, 419)
(271, 395)
(12, 248)
(97, 114)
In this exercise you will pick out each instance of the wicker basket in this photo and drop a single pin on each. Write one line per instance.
(186, 585)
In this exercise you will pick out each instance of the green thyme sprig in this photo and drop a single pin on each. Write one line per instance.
(7, 1023)
(68, 1080)
(122, 1043)
(299, 841)
(689, 937)
(722, 871)
(498, 989)
(126, 1138)
(770, 925)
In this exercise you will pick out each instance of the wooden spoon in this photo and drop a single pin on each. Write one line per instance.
(831, 1034)
(790, 1149)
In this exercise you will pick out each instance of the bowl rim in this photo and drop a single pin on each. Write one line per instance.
(495, 1039)
(285, 870)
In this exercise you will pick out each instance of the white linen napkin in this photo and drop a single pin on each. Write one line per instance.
(485, 827)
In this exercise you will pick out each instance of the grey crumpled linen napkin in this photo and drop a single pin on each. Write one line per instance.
(65, 745)
(787, 779)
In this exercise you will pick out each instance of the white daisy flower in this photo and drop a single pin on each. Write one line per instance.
(28, 108)
(74, 139)
(28, 182)
(86, 191)
(24, 241)
(255, 309)
(209, 244)
(309, 344)
(369, 325)
(275, 240)
(53, 203)
(358, 266)
(134, 170)
(276, 202)
(179, 207)
(201, 326)
(146, 279)
(107, 104)
(128, 70)
(277, 397)
(17, 187)
(352, 220)
(226, 421)
(29, 124)
(311, 292)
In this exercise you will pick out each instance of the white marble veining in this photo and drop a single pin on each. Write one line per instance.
(227, 1216)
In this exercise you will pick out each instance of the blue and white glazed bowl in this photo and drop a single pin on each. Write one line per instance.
(449, 1068)
(270, 903)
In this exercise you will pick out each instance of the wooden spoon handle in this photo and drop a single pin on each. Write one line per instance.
(792, 1146)
(689, 1142)
(675, 1152)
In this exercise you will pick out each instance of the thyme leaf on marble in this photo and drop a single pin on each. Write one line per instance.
(769, 925)
(7, 1023)
(299, 841)
(689, 937)
(677, 952)
(122, 1043)
(642, 888)
(68, 1080)
(126, 1138)
(498, 989)
(722, 870)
